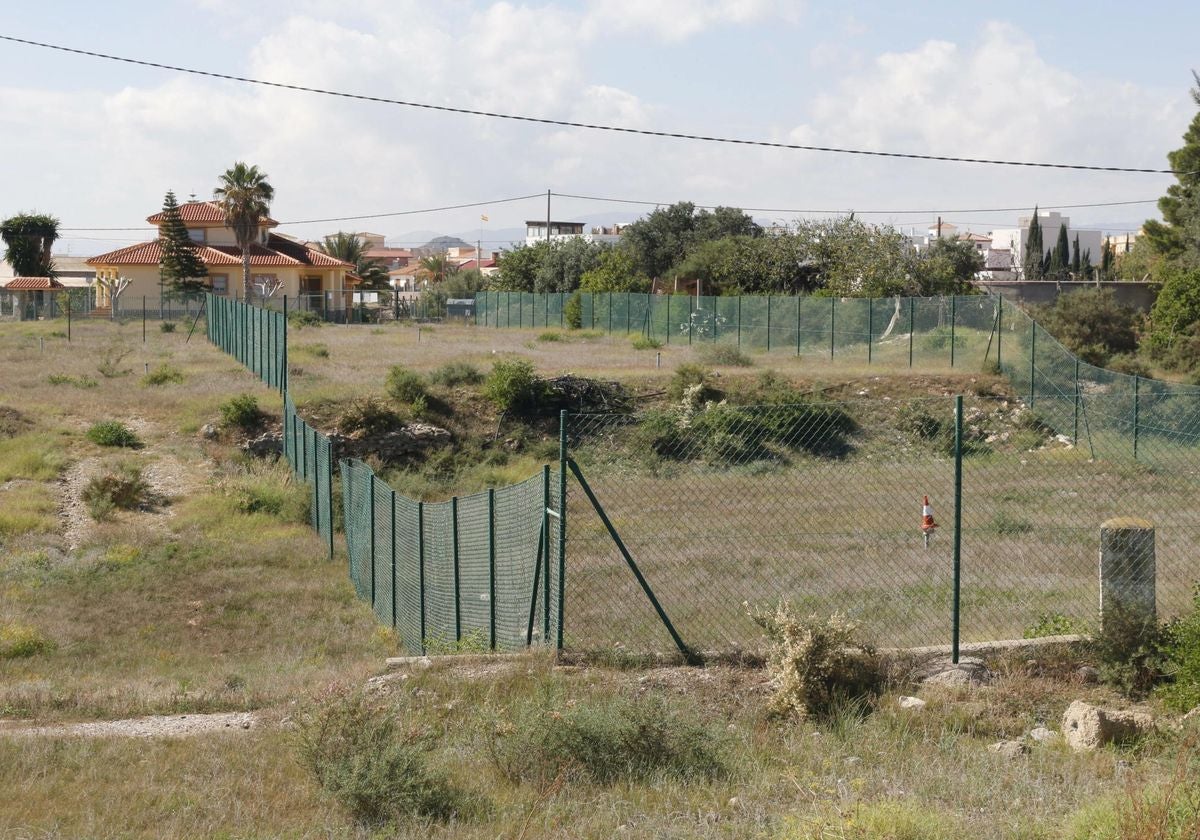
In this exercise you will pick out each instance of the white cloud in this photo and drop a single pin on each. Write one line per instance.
(677, 20)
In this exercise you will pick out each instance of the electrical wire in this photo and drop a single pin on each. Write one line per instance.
(674, 135)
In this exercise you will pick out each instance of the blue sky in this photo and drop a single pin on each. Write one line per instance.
(97, 143)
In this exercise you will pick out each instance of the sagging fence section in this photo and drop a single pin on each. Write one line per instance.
(310, 455)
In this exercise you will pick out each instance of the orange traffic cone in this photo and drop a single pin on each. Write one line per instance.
(927, 523)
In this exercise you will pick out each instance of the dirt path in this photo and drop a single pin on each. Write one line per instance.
(159, 726)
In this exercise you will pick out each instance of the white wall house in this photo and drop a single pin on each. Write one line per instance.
(535, 232)
(1016, 239)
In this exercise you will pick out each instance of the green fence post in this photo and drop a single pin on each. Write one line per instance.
(798, 326)
(870, 326)
(329, 495)
(953, 313)
(739, 319)
(457, 580)
(1032, 359)
(1136, 406)
(1075, 424)
(546, 554)
(421, 566)
(668, 322)
(491, 545)
(958, 430)
(393, 556)
(768, 323)
(562, 522)
(832, 324)
(911, 328)
(371, 505)
(999, 333)
(143, 319)
(283, 354)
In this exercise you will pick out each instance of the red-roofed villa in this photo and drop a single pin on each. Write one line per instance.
(310, 278)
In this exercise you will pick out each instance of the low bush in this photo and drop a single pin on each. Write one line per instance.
(937, 340)
(1054, 624)
(241, 412)
(80, 382)
(164, 374)
(166, 327)
(272, 494)
(573, 311)
(1130, 648)
(1181, 649)
(368, 416)
(723, 355)
(606, 741)
(551, 335)
(405, 385)
(111, 358)
(121, 489)
(357, 753)
(19, 641)
(321, 351)
(689, 375)
(302, 318)
(456, 373)
(645, 342)
(1092, 324)
(817, 664)
(113, 433)
(512, 385)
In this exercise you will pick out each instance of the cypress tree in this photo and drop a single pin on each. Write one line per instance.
(178, 268)
(1108, 260)
(1034, 249)
(1076, 258)
(1062, 253)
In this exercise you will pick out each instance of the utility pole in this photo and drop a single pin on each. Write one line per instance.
(547, 217)
(939, 227)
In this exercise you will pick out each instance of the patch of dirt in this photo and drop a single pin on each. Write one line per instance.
(159, 726)
(77, 522)
(13, 422)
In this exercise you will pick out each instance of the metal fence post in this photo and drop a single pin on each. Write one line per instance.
(953, 313)
(371, 505)
(421, 566)
(546, 554)
(999, 332)
(454, 553)
(562, 522)
(870, 327)
(911, 330)
(393, 556)
(491, 545)
(1136, 406)
(958, 433)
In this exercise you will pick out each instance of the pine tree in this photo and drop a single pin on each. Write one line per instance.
(1062, 254)
(179, 269)
(1177, 237)
(1108, 263)
(1034, 249)
(1076, 258)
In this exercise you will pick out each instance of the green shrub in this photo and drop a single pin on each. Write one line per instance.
(166, 327)
(1091, 324)
(1130, 649)
(19, 641)
(550, 335)
(689, 375)
(938, 340)
(302, 318)
(113, 433)
(369, 416)
(317, 349)
(62, 379)
(404, 385)
(357, 753)
(456, 373)
(644, 342)
(512, 385)
(1181, 650)
(271, 494)
(723, 355)
(573, 311)
(606, 741)
(164, 374)
(1054, 624)
(241, 412)
(121, 489)
(817, 664)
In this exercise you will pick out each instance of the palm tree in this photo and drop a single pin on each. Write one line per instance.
(245, 198)
(436, 267)
(347, 247)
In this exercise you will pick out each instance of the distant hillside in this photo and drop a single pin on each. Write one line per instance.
(439, 244)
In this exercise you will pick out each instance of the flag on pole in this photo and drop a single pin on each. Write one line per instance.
(483, 218)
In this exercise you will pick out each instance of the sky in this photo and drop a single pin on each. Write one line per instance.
(97, 143)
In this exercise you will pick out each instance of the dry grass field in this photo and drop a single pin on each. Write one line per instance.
(216, 596)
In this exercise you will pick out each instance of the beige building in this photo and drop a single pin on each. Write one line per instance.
(308, 277)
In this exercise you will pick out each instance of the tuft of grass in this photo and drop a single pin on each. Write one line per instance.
(1005, 524)
(607, 740)
(164, 374)
(405, 385)
(356, 752)
(79, 382)
(166, 327)
(645, 342)
(241, 412)
(456, 373)
(551, 336)
(271, 491)
(316, 349)
(20, 641)
(36, 456)
(113, 433)
(27, 509)
(723, 355)
(123, 488)
(302, 318)
(890, 820)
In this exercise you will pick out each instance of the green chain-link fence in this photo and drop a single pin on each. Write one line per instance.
(473, 573)
(255, 336)
(310, 455)
(727, 507)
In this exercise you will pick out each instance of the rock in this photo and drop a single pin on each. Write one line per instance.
(1042, 735)
(1088, 675)
(209, 431)
(734, 802)
(1009, 749)
(968, 672)
(911, 703)
(266, 444)
(1087, 727)
(1192, 715)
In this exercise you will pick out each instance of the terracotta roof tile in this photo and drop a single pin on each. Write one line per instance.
(281, 253)
(27, 284)
(201, 211)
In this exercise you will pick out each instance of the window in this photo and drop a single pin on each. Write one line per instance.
(220, 283)
(196, 234)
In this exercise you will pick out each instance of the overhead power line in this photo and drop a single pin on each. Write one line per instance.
(589, 126)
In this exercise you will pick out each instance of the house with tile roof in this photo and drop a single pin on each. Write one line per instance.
(310, 278)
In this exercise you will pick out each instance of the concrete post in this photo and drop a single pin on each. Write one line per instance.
(1127, 573)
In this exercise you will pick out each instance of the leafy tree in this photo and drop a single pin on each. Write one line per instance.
(556, 266)
(946, 267)
(1034, 249)
(245, 197)
(460, 284)
(663, 239)
(518, 268)
(614, 271)
(853, 259)
(1176, 309)
(29, 241)
(1177, 237)
(347, 247)
(1092, 324)
(179, 268)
